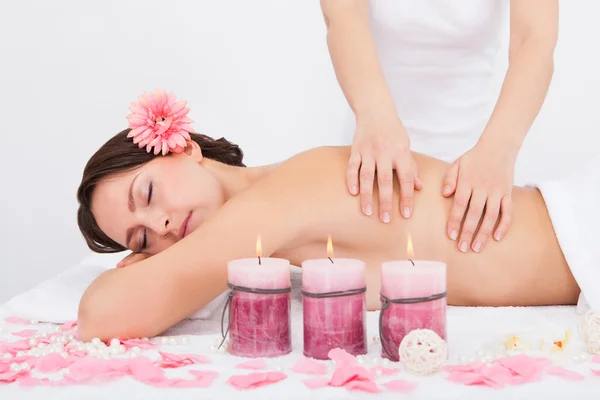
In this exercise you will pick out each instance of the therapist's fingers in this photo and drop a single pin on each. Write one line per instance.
(385, 181)
(476, 207)
(506, 208)
(492, 209)
(406, 176)
(367, 178)
(352, 172)
(450, 180)
(461, 201)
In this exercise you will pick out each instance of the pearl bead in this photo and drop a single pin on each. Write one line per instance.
(115, 343)
(24, 366)
(165, 340)
(122, 349)
(21, 354)
(33, 322)
(114, 351)
(70, 337)
(185, 340)
(378, 372)
(96, 341)
(136, 350)
(32, 342)
(35, 352)
(213, 348)
(15, 367)
(41, 345)
(376, 339)
(57, 329)
(173, 341)
(93, 352)
(385, 362)
(376, 362)
(7, 356)
(360, 360)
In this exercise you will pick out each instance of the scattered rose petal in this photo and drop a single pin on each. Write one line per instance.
(596, 358)
(365, 386)
(68, 325)
(497, 374)
(527, 368)
(384, 371)
(170, 360)
(141, 343)
(255, 379)
(595, 371)
(341, 357)
(306, 365)
(348, 373)
(52, 362)
(560, 371)
(25, 333)
(316, 383)
(143, 369)
(16, 320)
(11, 376)
(254, 364)
(471, 367)
(399, 385)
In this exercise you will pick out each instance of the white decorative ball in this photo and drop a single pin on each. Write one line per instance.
(422, 351)
(115, 343)
(589, 330)
(96, 341)
(360, 360)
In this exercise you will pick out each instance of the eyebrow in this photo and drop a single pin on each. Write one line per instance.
(131, 204)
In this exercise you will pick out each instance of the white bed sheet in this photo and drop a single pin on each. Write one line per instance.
(468, 330)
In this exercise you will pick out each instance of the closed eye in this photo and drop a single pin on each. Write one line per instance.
(150, 188)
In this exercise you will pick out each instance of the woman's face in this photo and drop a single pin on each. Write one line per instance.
(151, 208)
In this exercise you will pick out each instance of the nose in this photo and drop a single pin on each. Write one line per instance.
(161, 225)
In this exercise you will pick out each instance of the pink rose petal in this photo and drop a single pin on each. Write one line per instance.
(11, 376)
(143, 369)
(341, 357)
(528, 368)
(365, 386)
(399, 385)
(255, 379)
(596, 358)
(52, 362)
(308, 366)
(497, 374)
(316, 383)
(141, 343)
(254, 364)
(170, 360)
(471, 367)
(348, 373)
(595, 371)
(560, 371)
(16, 320)
(25, 333)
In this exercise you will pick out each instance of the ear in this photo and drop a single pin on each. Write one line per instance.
(193, 150)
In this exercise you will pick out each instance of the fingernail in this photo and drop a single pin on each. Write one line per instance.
(453, 234)
(464, 246)
(354, 189)
(368, 209)
(499, 236)
(447, 189)
(386, 217)
(477, 247)
(406, 212)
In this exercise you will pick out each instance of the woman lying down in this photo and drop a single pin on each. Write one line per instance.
(194, 210)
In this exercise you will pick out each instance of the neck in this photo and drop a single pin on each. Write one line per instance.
(235, 180)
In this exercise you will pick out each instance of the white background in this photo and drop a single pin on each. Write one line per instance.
(256, 72)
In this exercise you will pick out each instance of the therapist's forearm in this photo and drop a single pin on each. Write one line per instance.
(523, 93)
(355, 60)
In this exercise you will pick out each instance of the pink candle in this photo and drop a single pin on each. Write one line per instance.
(259, 323)
(402, 280)
(337, 321)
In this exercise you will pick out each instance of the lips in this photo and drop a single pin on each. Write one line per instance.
(184, 226)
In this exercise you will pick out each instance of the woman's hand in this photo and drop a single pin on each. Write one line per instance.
(132, 259)
(481, 180)
(382, 146)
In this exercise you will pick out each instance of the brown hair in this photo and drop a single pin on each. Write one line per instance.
(120, 154)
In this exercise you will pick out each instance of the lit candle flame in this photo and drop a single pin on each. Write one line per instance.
(329, 248)
(258, 249)
(409, 248)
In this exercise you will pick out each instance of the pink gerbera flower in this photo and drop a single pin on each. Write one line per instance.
(158, 121)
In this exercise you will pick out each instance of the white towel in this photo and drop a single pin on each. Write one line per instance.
(57, 299)
(573, 203)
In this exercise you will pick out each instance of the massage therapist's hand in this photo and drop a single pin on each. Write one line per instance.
(381, 145)
(132, 259)
(481, 181)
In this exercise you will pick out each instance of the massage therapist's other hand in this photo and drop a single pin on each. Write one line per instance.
(481, 180)
(132, 259)
(381, 145)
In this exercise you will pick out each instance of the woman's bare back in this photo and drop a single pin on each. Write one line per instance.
(526, 268)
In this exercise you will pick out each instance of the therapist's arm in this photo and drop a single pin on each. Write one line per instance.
(533, 37)
(381, 144)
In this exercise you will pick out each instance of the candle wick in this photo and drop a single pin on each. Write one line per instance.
(413, 263)
(259, 263)
(330, 259)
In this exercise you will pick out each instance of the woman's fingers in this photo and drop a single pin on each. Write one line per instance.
(385, 181)
(367, 177)
(459, 206)
(352, 172)
(492, 209)
(450, 180)
(476, 207)
(506, 208)
(406, 178)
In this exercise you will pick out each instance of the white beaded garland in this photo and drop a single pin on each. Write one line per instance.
(422, 351)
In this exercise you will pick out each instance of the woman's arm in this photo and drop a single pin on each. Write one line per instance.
(533, 37)
(148, 297)
(381, 143)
